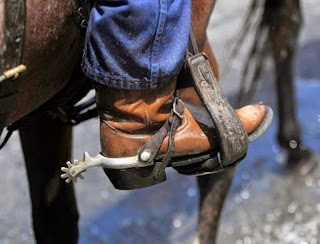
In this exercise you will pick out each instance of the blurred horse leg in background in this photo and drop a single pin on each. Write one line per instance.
(277, 35)
(284, 19)
(47, 145)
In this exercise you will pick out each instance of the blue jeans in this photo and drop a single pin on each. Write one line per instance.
(136, 44)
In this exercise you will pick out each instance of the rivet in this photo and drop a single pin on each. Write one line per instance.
(145, 156)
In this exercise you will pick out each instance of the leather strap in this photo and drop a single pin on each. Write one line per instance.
(232, 136)
(153, 145)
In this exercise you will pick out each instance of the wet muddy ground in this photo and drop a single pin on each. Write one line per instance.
(266, 204)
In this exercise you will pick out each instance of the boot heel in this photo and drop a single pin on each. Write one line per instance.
(129, 179)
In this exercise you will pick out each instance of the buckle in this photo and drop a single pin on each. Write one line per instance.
(177, 101)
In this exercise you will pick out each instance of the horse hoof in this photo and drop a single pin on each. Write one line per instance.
(302, 161)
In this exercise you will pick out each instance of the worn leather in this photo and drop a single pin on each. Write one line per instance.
(251, 116)
(229, 130)
(135, 111)
(130, 118)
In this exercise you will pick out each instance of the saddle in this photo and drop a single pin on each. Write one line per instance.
(43, 37)
(11, 55)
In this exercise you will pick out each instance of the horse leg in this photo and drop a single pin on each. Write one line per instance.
(212, 188)
(46, 145)
(285, 25)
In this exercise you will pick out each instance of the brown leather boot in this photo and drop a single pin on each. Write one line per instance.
(255, 119)
(251, 116)
(130, 118)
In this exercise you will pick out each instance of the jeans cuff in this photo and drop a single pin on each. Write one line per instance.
(121, 82)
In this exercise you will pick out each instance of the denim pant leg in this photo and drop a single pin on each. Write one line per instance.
(136, 44)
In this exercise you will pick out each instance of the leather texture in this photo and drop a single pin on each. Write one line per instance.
(50, 49)
(129, 118)
(229, 130)
(251, 116)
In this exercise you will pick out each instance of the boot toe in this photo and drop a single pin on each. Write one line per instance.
(251, 116)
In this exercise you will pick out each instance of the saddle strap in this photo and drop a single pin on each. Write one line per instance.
(231, 134)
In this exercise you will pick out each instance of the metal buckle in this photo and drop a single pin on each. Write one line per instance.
(175, 102)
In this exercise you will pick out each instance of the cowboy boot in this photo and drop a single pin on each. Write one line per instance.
(253, 118)
(140, 122)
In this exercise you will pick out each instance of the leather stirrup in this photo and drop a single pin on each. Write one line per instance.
(231, 134)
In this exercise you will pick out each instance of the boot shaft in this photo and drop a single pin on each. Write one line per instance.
(135, 111)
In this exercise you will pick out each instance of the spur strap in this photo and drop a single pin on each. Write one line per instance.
(231, 134)
(150, 149)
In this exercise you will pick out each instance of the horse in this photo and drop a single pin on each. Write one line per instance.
(44, 37)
